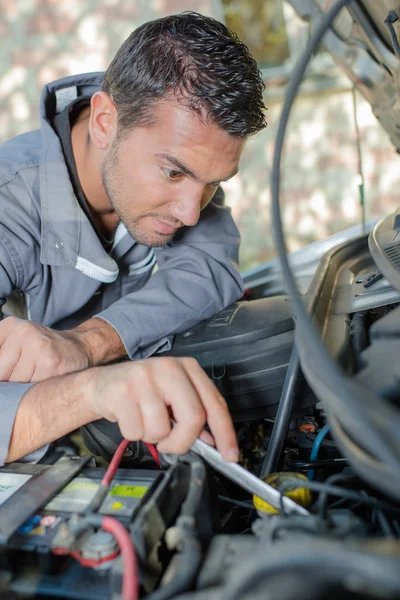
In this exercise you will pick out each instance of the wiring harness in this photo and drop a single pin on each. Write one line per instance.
(359, 419)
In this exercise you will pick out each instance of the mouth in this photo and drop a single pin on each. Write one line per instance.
(164, 228)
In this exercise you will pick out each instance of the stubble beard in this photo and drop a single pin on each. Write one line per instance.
(114, 192)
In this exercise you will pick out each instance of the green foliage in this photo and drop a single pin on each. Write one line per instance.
(260, 24)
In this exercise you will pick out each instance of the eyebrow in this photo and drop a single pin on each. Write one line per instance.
(181, 167)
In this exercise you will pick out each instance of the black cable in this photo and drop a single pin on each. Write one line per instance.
(323, 497)
(322, 563)
(333, 490)
(184, 566)
(325, 442)
(384, 524)
(396, 527)
(329, 463)
(196, 486)
(239, 503)
(370, 418)
(282, 419)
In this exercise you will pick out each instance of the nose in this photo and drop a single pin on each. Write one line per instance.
(187, 208)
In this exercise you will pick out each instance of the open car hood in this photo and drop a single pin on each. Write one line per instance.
(361, 44)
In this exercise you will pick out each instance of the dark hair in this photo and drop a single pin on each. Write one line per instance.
(196, 58)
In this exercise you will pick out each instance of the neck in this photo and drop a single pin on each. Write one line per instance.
(88, 161)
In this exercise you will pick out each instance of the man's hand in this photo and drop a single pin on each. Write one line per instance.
(32, 352)
(142, 397)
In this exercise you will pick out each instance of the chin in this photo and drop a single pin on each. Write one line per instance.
(150, 238)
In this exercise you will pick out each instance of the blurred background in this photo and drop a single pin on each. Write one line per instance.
(43, 40)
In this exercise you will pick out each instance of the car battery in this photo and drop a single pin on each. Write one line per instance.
(36, 502)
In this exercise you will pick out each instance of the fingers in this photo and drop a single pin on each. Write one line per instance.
(131, 423)
(155, 417)
(139, 407)
(17, 357)
(9, 354)
(7, 325)
(217, 412)
(9, 358)
(142, 396)
(195, 400)
(24, 372)
(33, 352)
(186, 406)
(206, 437)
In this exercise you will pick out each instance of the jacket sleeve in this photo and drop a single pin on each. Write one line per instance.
(197, 277)
(11, 273)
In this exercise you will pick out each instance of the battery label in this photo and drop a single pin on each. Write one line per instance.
(10, 483)
(82, 485)
(75, 497)
(123, 498)
(133, 491)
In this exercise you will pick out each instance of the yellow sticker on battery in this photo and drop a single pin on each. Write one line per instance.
(117, 505)
(133, 491)
(81, 485)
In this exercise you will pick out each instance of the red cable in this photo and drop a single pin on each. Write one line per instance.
(119, 453)
(90, 562)
(130, 576)
(114, 464)
(153, 451)
(130, 582)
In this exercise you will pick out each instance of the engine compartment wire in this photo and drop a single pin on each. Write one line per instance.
(130, 579)
(316, 447)
(333, 490)
(373, 421)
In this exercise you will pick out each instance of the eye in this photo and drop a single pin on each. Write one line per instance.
(174, 175)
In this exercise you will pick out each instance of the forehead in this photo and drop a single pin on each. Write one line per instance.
(176, 129)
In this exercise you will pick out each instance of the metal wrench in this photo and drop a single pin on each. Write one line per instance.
(245, 479)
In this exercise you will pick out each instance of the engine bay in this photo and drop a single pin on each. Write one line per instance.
(196, 533)
(313, 386)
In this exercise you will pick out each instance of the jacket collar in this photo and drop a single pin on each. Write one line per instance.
(67, 237)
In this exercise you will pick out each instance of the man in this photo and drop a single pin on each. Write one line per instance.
(113, 183)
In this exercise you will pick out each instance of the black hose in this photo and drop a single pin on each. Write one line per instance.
(325, 442)
(372, 421)
(282, 418)
(183, 568)
(334, 490)
(196, 486)
(323, 497)
(239, 503)
(334, 565)
(384, 524)
(329, 463)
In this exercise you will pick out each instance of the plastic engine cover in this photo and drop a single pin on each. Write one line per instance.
(245, 350)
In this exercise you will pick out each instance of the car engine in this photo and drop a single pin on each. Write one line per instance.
(312, 381)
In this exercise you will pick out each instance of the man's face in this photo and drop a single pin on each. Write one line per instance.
(158, 178)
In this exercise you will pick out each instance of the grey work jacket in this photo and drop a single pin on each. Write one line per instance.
(50, 253)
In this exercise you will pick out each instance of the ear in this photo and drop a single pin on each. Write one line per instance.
(103, 120)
